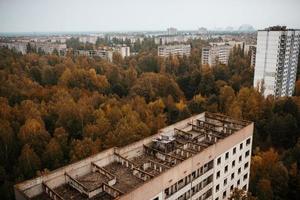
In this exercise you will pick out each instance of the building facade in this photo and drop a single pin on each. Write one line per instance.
(46, 47)
(276, 61)
(252, 50)
(20, 47)
(100, 53)
(166, 39)
(217, 53)
(88, 38)
(124, 51)
(104, 52)
(203, 157)
(174, 50)
(49, 47)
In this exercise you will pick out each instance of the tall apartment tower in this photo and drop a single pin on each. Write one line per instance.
(276, 60)
(203, 157)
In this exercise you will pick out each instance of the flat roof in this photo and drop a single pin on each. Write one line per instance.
(124, 173)
(278, 28)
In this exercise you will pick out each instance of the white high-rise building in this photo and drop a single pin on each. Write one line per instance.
(276, 60)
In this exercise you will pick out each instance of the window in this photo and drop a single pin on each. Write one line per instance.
(218, 174)
(194, 174)
(234, 150)
(167, 192)
(217, 188)
(240, 159)
(245, 187)
(217, 198)
(233, 164)
(232, 176)
(238, 182)
(180, 184)
(246, 165)
(193, 190)
(239, 170)
(241, 146)
(224, 194)
(248, 141)
(231, 188)
(227, 155)
(245, 176)
(247, 153)
(225, 182)
(219, 161)
(226, 169)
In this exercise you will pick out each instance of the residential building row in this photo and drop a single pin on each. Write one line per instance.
(174, 50)
(17, 46)
(105, 52)
(47, 47)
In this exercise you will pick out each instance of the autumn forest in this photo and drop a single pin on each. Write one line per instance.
(56, 110)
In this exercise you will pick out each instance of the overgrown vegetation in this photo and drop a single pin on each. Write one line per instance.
(56, 110)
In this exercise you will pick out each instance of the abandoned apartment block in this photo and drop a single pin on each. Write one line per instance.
(203, 157)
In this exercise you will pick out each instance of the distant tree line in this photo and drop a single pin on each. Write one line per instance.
(56, 110)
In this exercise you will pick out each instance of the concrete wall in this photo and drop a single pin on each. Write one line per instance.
(56, 178)
(171, 176)
(136, 148)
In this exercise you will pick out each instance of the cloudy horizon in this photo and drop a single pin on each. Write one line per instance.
(138, 15)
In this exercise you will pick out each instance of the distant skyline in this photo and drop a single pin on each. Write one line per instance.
(147, 15)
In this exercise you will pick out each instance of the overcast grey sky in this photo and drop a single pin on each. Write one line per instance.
(123, 15)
